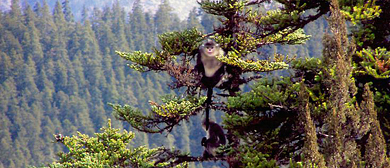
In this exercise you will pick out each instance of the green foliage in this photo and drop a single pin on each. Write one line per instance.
(382, 99)
(375, 62)
(58, 74)
(252, 158)
(314, 77)
(264, 121)
(133, 116)
(152, 62)
(52, 82)
(177, 43)
(257, 66)
(174, 107)
(312, 71)
(362, 11)
(362, 14)
(164, 20)
(178, 49)
(161, 117)
(173, 44)
(307, 64)
(288, 36)
(262, 94)
(303, 165)
(108, 149)
(279, 18)
(371, 61)
(221, 8)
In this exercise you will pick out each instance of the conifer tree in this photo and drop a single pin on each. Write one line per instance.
(164, 20)
(351, 125)
(208, 21)
(67, 11)
(242, 31)
(31, 44)
(337, 55)
(118, 27)
(150, 34)
(193, 20)
(313, 118)
(369, 22)
(268, 130)
(84, 14)
(138, 26)
(47, 28)
(15, 9)
(15, 20)
(103, 32)
(59, 17)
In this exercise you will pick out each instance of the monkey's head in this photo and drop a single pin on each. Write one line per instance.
(210, 48)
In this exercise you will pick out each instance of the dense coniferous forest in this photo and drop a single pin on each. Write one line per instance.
(58, 74)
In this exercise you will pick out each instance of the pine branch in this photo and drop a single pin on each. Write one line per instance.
(292, 23)
(233, 59)
(256, 2)
(162, 117)
(183, 45)
(145, 61)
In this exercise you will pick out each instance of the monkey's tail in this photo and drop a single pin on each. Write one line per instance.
(208, 103)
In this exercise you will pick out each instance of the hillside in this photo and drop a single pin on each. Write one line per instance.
(182, 8)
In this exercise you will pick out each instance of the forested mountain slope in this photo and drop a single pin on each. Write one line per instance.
(151, 6)
(57, 75)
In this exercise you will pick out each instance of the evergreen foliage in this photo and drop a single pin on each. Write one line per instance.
(107, 149)
(58, 75)
(371, 59)
(242, 32)
(63, 76)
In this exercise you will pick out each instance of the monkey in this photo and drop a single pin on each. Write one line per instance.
(208, 65)
(211, 68)
(215, 138)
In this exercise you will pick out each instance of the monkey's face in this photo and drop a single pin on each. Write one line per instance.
(210, 50)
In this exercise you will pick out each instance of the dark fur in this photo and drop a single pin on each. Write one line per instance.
(216, 138)
(209, 81)
(213, 80)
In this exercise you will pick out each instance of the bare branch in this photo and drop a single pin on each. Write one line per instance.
(185, 76)
(253, 2)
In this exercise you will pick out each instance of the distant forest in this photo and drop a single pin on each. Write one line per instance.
(57, 75)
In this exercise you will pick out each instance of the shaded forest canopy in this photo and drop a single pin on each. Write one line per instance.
(57, 75)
